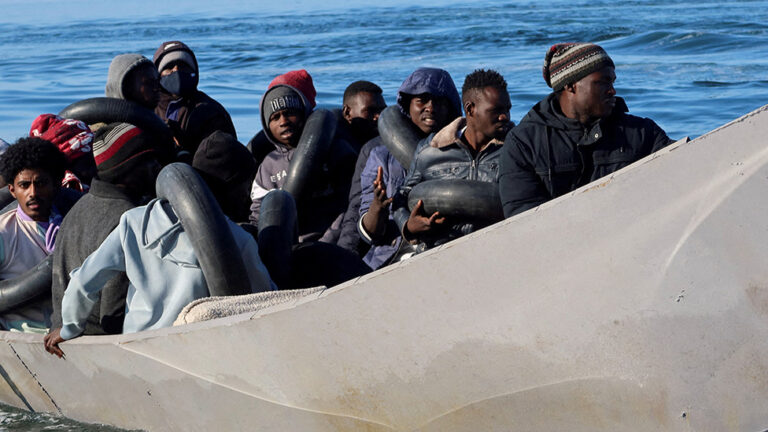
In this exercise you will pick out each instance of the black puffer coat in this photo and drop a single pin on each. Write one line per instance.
(548, 154)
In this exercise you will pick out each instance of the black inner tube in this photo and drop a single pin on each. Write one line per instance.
(278, 232)
(399, 134)
(208, 230)
(110, 110)
(459, 199)
(31, 285)
(311, 151)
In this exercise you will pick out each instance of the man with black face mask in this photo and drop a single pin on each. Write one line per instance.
(191, 114)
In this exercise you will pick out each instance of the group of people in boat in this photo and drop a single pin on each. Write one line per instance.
(316, 198)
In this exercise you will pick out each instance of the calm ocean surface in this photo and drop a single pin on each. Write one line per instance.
(690, 65)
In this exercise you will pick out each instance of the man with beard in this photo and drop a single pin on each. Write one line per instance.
(191, 114)
(33, 168)
(577, 134)
(468, 148)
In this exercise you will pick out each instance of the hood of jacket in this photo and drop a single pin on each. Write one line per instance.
(163, 235)
(265, 121)
(119, 69)
(436, 82)
(547, 112)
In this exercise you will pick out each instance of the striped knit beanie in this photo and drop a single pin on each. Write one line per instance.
(118, 148)
(566, 63)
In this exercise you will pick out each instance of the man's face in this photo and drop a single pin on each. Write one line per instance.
(489, 113)
(364, 105)
(286, 126)
(34, 189)
(594, 95)
(428, 113)
(145, 87)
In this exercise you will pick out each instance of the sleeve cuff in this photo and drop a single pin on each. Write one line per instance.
(361, 229)
(70, 331)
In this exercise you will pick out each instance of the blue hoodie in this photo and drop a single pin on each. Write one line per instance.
(164, 275)
(436, 82)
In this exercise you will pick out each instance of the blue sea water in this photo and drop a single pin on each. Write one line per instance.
(690, 65)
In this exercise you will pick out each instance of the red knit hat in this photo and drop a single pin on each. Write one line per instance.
(72, 137)
(301, 81)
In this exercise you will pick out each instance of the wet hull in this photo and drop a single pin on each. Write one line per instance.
(639, 302)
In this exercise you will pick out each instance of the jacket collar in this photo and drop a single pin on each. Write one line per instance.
(451, 134)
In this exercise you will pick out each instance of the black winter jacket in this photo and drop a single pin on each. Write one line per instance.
(548, 154)
(199, 116)
(444, 156)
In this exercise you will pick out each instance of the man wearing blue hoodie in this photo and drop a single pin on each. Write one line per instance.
(429, 99)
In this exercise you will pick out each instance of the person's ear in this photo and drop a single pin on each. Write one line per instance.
(346, 112)
(11, 189)
(570, 88)
(469, 108)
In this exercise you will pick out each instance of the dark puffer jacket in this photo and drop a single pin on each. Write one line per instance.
(446, 157)
(198, 116)
(548, 154)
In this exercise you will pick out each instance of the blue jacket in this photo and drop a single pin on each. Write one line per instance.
(163, 271)
(393, 175)
(436, 82)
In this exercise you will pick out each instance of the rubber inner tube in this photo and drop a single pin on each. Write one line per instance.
(459, 199)
(278, 232)
(109, 110)
(399, 134)
(311, 151)
(208, 230)
(34, 283)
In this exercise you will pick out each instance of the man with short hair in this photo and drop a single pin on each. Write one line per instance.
(577, 134)
(468, 148)
(191, 114)
(33, 168)
(127, 166)
(133, 77)
(362, 104)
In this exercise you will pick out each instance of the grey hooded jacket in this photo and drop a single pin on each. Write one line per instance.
(119, 69)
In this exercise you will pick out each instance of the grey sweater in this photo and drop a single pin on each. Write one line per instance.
(83, 230)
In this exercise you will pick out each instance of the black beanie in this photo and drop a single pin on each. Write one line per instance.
(174, 50)
(224, 159)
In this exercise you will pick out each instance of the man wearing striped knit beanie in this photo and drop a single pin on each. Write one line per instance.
(577, 134)
(126, 171)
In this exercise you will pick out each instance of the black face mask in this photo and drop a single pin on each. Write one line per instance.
(179, 83)
(363, 130)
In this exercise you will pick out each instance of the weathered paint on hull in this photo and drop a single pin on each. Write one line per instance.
(639, 302)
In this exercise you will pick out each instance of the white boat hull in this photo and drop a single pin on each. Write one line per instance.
(639, 302)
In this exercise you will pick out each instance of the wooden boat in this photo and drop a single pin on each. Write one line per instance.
(638, 302)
